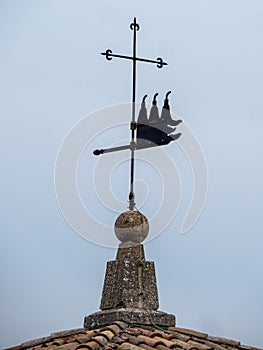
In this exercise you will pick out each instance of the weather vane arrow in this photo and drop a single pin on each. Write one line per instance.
(151, 132)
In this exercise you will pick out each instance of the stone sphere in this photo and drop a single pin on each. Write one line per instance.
(131, 226)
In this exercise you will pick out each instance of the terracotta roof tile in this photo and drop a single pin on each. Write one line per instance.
(92, 345)
(174, 343)
(128, 346)
(157, 334)
(212, 345)
(146, 347)
(121, 324)
(196, 345)
(223, 341)
(188, 332)
(162, 347)
(101, 339)
(71, 346)
(179, 343)
(134, 340)
(112, 328)
(153, 342)
(133, 331)
(145, 331)
(179, 336)
(83, 346)
(66, 333)
(31, 343)
(108, 334)
(112, 345)
(122, 336)
(88, 333)
(84, 339)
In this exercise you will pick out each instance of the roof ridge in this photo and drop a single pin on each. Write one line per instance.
(122, 335)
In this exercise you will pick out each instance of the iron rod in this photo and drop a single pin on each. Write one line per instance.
(131, 194)
(132, 58)
(160, 63)
(121, 148)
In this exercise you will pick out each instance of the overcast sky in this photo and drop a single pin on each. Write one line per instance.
(51, 77)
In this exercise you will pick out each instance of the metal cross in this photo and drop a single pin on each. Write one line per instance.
(160, 63)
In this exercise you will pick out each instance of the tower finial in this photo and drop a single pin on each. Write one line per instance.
(167, 94)
(154, 102)
(144, 98)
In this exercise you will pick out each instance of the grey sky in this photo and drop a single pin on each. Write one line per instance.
(52, 76)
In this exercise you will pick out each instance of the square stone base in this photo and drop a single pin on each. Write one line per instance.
(131, 316)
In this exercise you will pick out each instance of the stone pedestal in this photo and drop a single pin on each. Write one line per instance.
(130, 281)
(131, 316)
(130, 292)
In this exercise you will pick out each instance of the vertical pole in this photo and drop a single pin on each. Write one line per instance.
(134, 27)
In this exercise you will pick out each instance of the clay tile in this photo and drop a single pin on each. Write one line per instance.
(58, 342)
(158, 334)
(190, 332)
(223, 341)
(84, 339)
(145, 331)
(173, 343)
(100, 339)
(149, 341)
(62, 334)
(199, 346)
(83, 346)
(42, 345)
(108, 334)
(134, 340)
(180, 336)
(128, 346)
(118, 340)
(112, 328)
(172, 329)
(90, 333)
(146, 347)
(161, 347)
(71, 346)
(31, 343)
(134, 331)
(121, 324)
(213, 345)
(112, 345)
(92, 345)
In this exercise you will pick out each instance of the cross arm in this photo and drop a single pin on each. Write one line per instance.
(159, 61)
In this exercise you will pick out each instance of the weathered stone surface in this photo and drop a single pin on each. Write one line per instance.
(132, 227)
(130, 281)
(130, 252)
(130, 292)
(132, 316)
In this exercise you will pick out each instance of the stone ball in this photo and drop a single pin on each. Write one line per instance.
(131, 226)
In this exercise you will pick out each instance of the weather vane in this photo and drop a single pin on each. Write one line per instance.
(150, 132)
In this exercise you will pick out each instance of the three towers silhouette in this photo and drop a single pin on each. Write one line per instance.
(156, 129)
